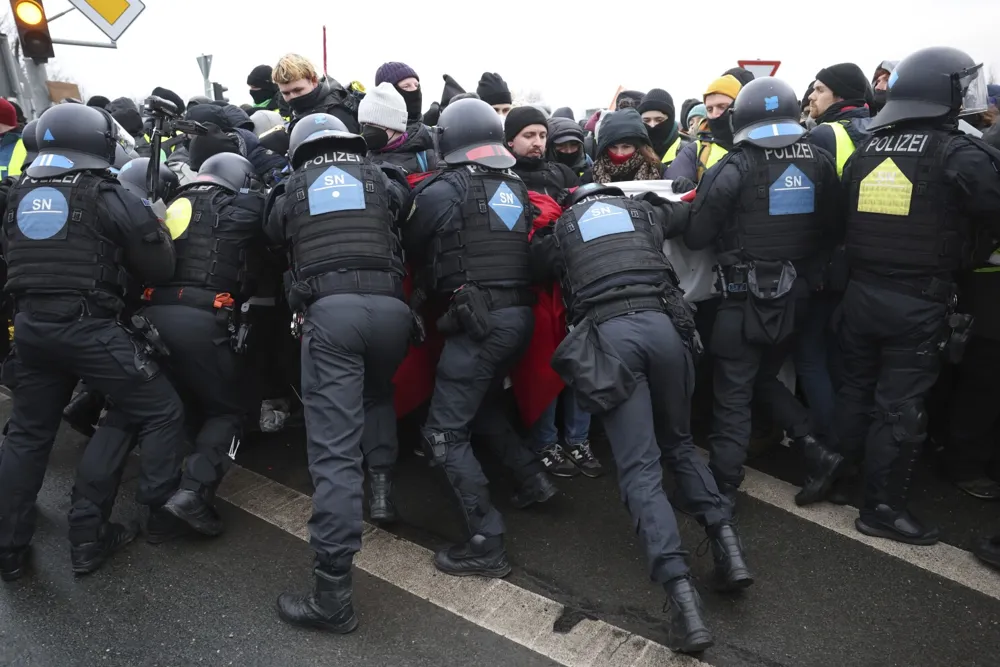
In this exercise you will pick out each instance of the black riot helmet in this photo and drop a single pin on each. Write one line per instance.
(937, 82)
(766, 114)
(229, 170)
(472, 131)
(30, 143)
(132, 176)
(321, 127)
(592, 190)
(73, 137)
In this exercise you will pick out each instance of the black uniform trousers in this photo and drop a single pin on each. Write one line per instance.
(52, 357)
(975, 406)
(468, 384)
(654, 423)
(211, 381)
(352, 345)
(888, 340)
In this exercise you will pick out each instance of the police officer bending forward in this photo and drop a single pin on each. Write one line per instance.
(606, 251)
(337, 215)
(468, 228)
(770, 207)
(216, 224)
(76, 242)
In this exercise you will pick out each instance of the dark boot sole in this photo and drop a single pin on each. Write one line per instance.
(162, 538)
(696, 642)
(12, 575)
(815, 495)
(92, 566)
(874, 531)
(494, 573)
(734, 585)
(210, 529)
(548, 495)
(344, 628)
(992, 561)
(384, 518)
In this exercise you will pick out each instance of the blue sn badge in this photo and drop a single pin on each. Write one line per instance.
(771, 103)
(792, 194)
(506, 205)
(335, 190)
(42, 214)
(604, 220)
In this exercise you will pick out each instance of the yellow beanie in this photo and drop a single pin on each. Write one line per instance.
(727, 85)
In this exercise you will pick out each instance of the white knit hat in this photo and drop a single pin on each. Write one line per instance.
(384, 107)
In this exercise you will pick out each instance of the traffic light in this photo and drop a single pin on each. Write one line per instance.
(218, 89)
(32, 29)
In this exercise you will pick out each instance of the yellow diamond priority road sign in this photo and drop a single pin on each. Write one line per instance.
(113, 17)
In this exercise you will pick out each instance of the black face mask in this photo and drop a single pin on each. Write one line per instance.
(375, 137)
(659, 134)
(721, 130)
(881, 97)
(306, 102)
(262, 95)
(414, 102)
(568, 159)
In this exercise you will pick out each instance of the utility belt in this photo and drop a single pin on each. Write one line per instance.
(603, 312)
(471, 305)
(235, 317)
(303, 293)
(731, 281)
(64, 307)
(932, 289)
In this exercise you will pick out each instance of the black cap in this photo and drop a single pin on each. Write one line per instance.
(98, 101)
(520, 118)
(846, 80)
(492, 89)
(260, 77)
(657, 99)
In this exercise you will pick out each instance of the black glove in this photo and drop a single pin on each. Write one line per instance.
(651, 198)
(682, 184)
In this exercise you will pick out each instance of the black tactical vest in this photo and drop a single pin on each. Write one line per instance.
(53, 240)
(206, 257)
(603, 239)
(340, 219)
(487, 239)
(776, 219)
(902, 216)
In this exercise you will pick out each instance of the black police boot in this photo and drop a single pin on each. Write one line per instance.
(820, 466)
(13, 563)
(899, 525)
(164, 527)
(847, 489)
(382, 508)
(988, 551)
(193, 509)
(88, 557)
(328, 607)
(480, 556)
(731, 571)
(688, 633)
(83, 411)
(536, 489)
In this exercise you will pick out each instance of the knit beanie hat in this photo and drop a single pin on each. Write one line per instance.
(846, 80)
(384, 107)
(726, 85)
(697, 110)
(744, 76)
(520, 118)
(265, 120)
(492, 89)
(8, 116)
(623, 126)
(260, 77)
(98, 101)
(394, 73)
(657, 99)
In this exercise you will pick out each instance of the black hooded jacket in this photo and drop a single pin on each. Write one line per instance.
(328, 97)
(418, 153)
(546, 177)
(562, 128)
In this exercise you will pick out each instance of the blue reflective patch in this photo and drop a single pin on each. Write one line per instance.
(775, 130)
(53, 160)
(771, 103)
(319, 120)
(336, 190)
(506, 205)
(604, 220)
(48, 135)
(893, 78)
(792, 194)
(114, 171)
(42, 214)
(128, 165)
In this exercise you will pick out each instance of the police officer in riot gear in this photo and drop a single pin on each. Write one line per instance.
(337, 215)
(215, 223)
(915, 190)
(68, 212)
(468, 229)
(607, 252)
(770, 207)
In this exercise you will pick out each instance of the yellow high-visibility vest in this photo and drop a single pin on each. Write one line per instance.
(845, 146)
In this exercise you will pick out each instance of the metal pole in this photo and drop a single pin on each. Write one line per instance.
(209, 91)
(99, 45)
(37, 77)
(62, 13)
(10, 64)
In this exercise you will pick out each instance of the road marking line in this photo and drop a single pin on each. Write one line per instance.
(942, 559)
(514, 613)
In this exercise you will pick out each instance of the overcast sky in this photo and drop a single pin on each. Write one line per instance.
(573, 58)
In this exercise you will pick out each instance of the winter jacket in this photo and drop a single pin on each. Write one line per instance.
(418, 154)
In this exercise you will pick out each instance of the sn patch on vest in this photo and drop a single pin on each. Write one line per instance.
(336, 190)
(885, 190)
(507, 206)
(42, 214)
(604, 220)
(792, 194)
(178, 217)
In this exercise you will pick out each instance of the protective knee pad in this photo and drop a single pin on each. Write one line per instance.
(435, 445)
(909, 422)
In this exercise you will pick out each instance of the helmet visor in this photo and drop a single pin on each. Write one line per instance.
(975, 97)
(124, 139)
